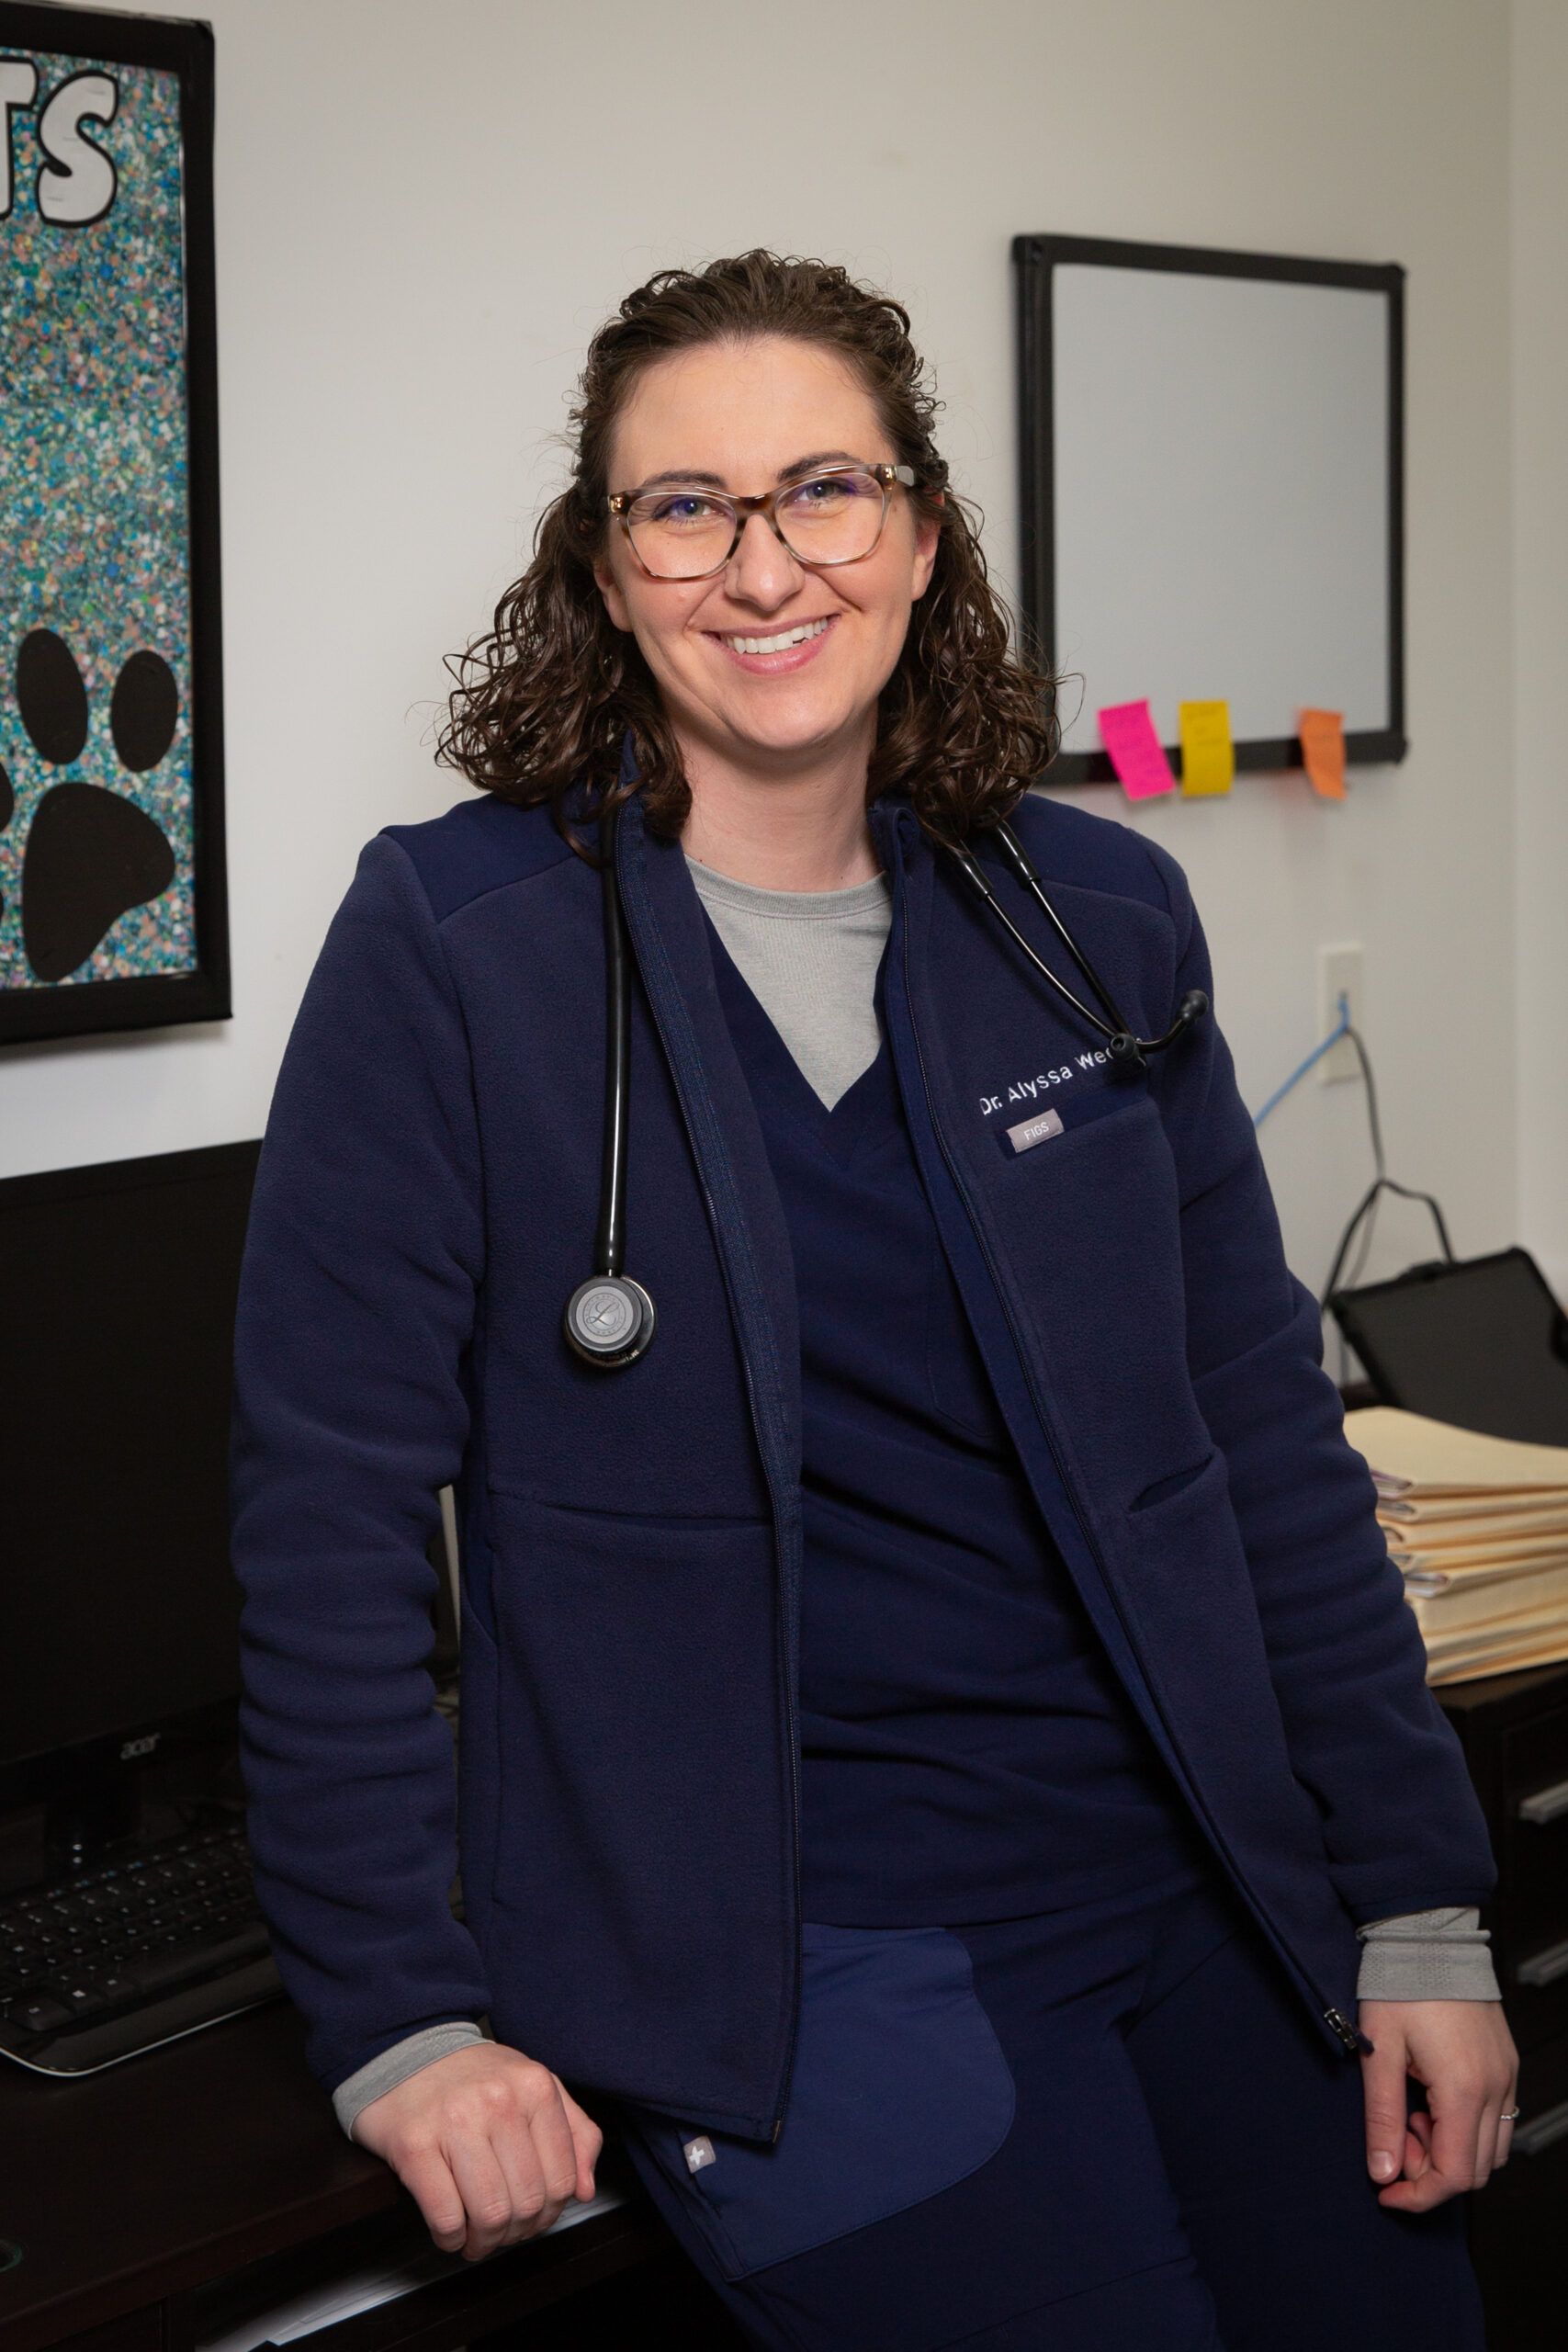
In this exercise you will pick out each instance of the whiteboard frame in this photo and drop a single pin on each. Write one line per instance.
(1036, 260)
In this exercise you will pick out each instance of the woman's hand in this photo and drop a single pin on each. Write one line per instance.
(490, 2145)
(1464, 2054)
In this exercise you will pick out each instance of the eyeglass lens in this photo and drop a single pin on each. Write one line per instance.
(682, 532)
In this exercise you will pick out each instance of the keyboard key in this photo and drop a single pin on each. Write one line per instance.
(83, 1993)
(157, 1969)
(39, 2014)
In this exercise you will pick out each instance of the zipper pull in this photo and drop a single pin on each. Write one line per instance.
(1344, 2029)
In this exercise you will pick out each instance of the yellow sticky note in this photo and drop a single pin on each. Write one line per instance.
(1208, 755)
(1321, 736)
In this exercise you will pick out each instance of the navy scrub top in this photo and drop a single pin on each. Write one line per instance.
(967, 1752)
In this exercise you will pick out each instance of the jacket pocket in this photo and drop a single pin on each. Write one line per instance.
(899, 2088)
(1103, 1098)
(1175, 1482)
(1189, 1585)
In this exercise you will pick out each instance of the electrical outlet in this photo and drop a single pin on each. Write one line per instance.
(1339, 974)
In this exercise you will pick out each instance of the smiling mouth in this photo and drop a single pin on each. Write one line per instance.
(780, 643)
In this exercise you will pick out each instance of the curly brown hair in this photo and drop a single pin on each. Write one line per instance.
(542, 702)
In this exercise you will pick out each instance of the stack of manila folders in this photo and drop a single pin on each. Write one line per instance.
(1478, 1526)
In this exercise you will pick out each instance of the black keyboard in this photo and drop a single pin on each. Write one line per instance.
(114, 1960)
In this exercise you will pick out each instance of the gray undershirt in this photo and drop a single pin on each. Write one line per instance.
(810, 958)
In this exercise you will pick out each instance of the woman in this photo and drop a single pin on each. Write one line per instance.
(938, 1721)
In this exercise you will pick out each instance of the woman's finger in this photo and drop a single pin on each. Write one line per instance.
(1487, 2126)
(1418, 2145)
(553, 2150)
(1384, 2093)
(1409, 2194)
(1505, 2130)
(535, 2202)
(427, 2176)
(586, 2140)
(1450, 2142)
(1496, 2137)
(484, 2189)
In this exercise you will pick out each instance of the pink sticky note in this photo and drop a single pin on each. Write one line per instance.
(1127, 731)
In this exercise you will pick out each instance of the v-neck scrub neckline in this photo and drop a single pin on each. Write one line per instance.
(811, 959)
(967, 1752)
(865, 1110)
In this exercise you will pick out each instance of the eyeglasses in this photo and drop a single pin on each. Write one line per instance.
(685, 532)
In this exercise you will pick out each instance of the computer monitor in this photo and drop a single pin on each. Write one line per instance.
(118, 1607)
(1481, 1342)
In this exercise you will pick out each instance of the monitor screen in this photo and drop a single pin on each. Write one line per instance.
(1483, 1343)
(118, 1605)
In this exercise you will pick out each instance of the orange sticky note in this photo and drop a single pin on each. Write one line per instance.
(1208, 755)
(1323, 749)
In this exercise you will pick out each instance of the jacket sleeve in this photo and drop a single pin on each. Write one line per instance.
(361, 1260)
(1401, 1821)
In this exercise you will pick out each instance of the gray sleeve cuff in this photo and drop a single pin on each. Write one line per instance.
(1427, 1956)
(391, 2067)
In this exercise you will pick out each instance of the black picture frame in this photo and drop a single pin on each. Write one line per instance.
(51, 1007)
(1035, 258)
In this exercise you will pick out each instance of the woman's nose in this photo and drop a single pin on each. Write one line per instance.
(762, 568)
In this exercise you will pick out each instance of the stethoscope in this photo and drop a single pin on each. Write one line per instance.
(609, 1318)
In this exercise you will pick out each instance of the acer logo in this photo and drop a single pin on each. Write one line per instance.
(142, 1747)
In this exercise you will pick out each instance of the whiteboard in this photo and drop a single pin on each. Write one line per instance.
(1213, 504)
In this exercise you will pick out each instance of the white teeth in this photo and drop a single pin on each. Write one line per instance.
(776, 644)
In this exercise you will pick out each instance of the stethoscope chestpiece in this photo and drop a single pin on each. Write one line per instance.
(609, 1320)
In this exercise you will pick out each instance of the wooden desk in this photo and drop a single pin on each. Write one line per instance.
(131, 2191)
(1514, 1731)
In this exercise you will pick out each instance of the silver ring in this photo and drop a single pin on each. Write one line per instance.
(1509, 2115)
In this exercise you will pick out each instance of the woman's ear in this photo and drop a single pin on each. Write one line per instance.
(610, 589)
(927, 537)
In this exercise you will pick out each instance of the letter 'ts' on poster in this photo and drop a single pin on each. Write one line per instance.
(1208, 755)
(1127, 731)
(1321, 736)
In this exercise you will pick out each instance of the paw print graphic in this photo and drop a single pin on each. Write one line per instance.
(90, 854)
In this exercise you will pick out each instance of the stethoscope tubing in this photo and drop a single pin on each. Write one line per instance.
(609, 1318)
(1126, 1047)
(609, 1245)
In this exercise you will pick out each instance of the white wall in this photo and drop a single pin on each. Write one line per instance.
(1539, 353)
(421, 215)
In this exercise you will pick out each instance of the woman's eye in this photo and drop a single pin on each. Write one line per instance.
(829, 489)
(686, 506)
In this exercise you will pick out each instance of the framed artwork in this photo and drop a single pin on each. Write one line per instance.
(113, 911)
(1212, 454)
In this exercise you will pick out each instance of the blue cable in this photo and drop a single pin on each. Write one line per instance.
(1316, 1055)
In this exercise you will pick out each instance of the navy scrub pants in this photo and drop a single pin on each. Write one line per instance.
(1110, 2126)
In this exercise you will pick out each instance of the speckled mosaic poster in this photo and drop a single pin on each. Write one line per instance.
(99, 814)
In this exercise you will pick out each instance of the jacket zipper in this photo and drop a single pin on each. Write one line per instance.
(1350, 2038)
(769, 1440)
